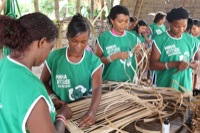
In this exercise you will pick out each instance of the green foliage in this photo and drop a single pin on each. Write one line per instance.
(46, 6)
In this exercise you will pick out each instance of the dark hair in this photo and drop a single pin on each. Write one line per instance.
(18, 34)
(118, 9)
(177, 14)
(196, 22)
(140, 23)
(189, 25)
(159, 16)
(77, 25)
(133, 19)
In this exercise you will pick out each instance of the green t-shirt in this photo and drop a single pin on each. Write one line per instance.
(175, 49)
(139, 36)
(70, 81)
(20, 91)
(157, 30)
(118, 70)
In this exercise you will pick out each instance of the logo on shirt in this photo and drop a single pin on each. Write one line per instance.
(1, 106)
(77, 92)
(112, 49)
(63, 81)
(172, 50)
(158, 31)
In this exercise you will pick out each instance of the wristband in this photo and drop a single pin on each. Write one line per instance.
(62, 118)
(109, 59)
(53, 96)
(166, 66)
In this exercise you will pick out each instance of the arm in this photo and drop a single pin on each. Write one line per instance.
(45, 78)
(155, 63)
(39, 119)
(194, 66)
(89, 117)
(119, 55)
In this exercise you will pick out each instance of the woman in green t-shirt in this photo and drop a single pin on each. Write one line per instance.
(117, 48)
(172, 52)
(74, 71)
(24, 101)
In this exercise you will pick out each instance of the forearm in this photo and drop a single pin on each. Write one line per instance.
(48, 88)
(96, 98)
(162, 65)
(109, 58)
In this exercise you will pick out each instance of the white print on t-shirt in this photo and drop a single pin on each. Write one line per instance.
(172, 50)
(62, 81)
(184, 57)
(128, 61)
(77, 92)
(112, 49)
(158, 31)
(1, 106)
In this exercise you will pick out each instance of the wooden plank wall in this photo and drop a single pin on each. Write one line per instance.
(153, 6)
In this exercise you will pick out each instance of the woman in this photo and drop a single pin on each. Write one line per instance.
(132, 23)
(117, 48)
(138, 31)
(158, 27)
(172, 52)
(74, 71)
(24, 101)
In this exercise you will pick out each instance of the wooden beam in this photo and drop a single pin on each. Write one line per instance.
(36, 5)
(78, 3)
(140, 8)
(92, 10)
(183, 2)
(2, 5)
(56, 2)
(102, 7)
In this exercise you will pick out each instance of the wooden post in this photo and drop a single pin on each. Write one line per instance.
(36, 5)
(183, 3)
(140, 8)
(112, 2)
(102, 6)
(2, 5)
(78, 3)
(57, 10)
(92, 10)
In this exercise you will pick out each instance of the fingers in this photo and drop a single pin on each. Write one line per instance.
(87, 120)
(124, 55)
(183, 65)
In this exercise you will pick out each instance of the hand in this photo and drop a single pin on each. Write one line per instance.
(137, 49)
(182, 65)
(194, 65)
(88, 119)
(58, 103)
(65, 110)
(123, 55)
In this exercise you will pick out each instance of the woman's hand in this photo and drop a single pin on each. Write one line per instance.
(88, 119)
(137, 49)
(122, 55)
(65, 110)
(58, 103)
(181, 65)
(194, 65)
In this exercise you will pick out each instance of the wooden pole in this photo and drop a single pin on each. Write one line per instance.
(183, 3)
(102, 6)
(140, 8)
(92, 10)
(78, 3)
(57, 10)
(36, 5)
(2, 5)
